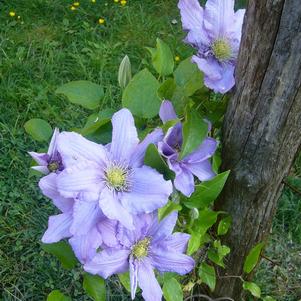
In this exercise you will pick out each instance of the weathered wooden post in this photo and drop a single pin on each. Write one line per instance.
(262, 128)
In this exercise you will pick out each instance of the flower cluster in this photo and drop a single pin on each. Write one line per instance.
(109, 198)
(215, 32)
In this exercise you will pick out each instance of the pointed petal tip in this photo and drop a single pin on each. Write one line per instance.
(167, 111)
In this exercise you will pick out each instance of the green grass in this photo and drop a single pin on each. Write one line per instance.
(51, 45)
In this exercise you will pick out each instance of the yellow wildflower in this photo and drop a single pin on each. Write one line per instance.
(177, 58)
(101, 21)
(12, 13)
(123, 2)
(76, 4)
(116, 1)
(93, 1)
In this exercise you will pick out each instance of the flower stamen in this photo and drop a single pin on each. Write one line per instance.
(221, 49)
(53, 166)
(117, 177)
(140, 249)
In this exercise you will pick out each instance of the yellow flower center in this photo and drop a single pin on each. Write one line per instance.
(116, 177)
(53, 166)
(221, 50)
(140, 249)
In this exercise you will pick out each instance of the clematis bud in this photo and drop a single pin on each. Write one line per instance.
(125, 72)
(194, 213)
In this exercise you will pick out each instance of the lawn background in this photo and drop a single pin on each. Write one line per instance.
(50, 45)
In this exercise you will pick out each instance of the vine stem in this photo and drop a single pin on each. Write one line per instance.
(293, 188)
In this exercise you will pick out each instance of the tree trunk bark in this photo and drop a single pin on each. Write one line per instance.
(262, 128)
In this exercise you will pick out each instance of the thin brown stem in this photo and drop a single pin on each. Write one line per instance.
(292, 187)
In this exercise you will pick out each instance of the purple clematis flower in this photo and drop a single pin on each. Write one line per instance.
(51, 165)
(150, 246)
(87, 229)
(197, 163)
(215, 32)
(81, 221)
(112, 176)
(50, 161)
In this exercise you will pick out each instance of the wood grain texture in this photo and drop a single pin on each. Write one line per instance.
(262, 128)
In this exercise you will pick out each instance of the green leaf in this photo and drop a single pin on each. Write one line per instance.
(218, 253)
(207, 218)
(167, 209)
(166, 90)
(56, 295)
(253, 288)
(169, 124)
(214, 110)
(172, 290)
(180, 100)
(63, 252)
(153, 159)
(96, 121)
(176, 94)
(216, 161)
(188, 77)
(240, 4)
(125, 281)
(82, 92)
(222, 250)
(162, 58)
(224, 225)
(195, 130)
(207, 192)
(163, 277)
(252, 258)
(95, 287)
(38, 129)
(196, 241)
(214, 257)
(140, 95)
(96, 126)
(207, 275)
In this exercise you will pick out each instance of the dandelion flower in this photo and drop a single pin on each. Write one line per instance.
(12, 13)
(93, 1)
(177, 58)
(73, 7)
(101, 21)
(123, 2)
(76, 4)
